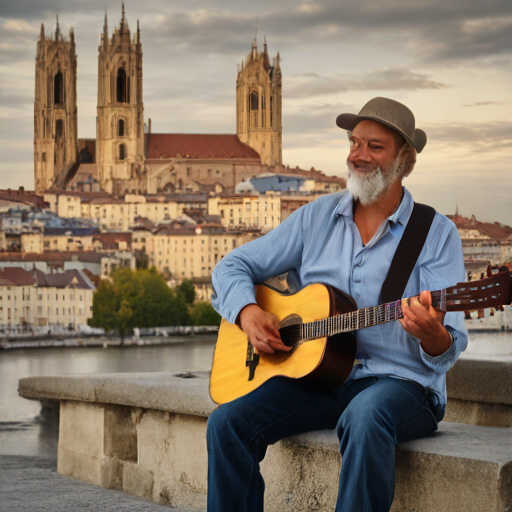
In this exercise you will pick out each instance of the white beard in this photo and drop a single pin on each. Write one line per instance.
(369, 187)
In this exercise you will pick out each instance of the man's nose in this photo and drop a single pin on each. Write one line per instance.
(360, 153)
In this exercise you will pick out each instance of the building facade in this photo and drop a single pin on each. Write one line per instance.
(120, 117)
(55, 108)
(39, 299)
(258, 105)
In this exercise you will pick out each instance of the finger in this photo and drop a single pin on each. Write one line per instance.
(426, 299)
(262, 346)
(273, 331)
(279, 346)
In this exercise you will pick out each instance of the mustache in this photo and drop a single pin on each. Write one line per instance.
(366, 168)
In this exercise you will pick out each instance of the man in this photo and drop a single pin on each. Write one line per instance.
(396, 391)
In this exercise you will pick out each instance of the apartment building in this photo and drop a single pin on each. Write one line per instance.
(189, 251)
(35, 298)
(111, 213)
(265, 211)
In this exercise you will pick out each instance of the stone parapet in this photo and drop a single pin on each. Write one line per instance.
(145, 434)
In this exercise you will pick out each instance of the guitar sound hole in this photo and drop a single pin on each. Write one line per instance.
(290, 335)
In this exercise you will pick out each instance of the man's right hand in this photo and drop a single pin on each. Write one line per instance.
(261, 329)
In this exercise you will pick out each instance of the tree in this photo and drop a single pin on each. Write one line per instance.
(202, 313)
(138, 298)
(187, 291)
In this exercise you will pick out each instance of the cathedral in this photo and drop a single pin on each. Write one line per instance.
(126, 156)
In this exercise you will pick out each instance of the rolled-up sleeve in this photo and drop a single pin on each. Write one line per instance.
(234, 276)
(444, 268)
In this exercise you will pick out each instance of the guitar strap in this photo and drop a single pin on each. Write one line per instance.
(407, 253)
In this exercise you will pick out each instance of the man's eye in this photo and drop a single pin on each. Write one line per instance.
(375, 148)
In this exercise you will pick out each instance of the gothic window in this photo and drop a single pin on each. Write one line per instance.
(59, 128)
(254, 107)
(121, 130)
(58, 92)
(271, 111)
(263, 111)
(121, 86)
(122, 152)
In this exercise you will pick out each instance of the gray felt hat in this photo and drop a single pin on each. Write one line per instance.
(391, 113)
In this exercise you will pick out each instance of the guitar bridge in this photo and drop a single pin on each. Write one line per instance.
(252, 360)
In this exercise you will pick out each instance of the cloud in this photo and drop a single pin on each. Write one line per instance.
(391, 79)
(482, 104)
(495, 137)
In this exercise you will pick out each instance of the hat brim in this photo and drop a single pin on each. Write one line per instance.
(349, 122)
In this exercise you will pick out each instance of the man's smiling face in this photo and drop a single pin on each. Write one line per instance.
(373, 162)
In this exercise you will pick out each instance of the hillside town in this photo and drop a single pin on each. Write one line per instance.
(133, 198)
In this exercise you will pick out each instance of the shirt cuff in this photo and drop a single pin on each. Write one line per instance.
(447, 358)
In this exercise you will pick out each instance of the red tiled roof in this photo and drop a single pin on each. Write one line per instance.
(60, 279)
(188, 145)
(15, 276)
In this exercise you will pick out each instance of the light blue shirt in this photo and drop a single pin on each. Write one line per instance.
(320, 243)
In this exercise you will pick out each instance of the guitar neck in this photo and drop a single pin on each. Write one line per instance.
(353, 320)
(494, 291)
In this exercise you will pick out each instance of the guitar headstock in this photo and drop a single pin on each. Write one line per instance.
(494, 291)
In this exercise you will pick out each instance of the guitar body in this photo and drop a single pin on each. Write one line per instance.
(323, 362)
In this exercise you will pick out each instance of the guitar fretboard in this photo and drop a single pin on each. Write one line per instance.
(352, 321)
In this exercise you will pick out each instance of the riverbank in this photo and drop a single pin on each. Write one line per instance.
(161, 337)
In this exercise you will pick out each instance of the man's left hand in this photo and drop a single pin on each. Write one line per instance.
(425, 323)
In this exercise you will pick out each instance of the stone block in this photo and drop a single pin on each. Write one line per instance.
(173, 448)
(300, 477)
(478, 413)
(79, 465)
(137, 480)
(111, 473)
(120, 433)
(81, 428)
(480, 381)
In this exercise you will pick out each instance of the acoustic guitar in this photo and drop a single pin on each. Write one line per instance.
(317, 322)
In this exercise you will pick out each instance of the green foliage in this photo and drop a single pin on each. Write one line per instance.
(186, 291)
(142, 259)
(138, 298)
(202, 313)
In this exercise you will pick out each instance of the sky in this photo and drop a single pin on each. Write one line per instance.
(449, 61)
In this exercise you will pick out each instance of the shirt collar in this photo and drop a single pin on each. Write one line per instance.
(401, 215)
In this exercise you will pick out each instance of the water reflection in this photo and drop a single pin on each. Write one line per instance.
(25, 429)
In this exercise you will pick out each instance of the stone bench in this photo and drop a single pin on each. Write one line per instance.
(145, 434)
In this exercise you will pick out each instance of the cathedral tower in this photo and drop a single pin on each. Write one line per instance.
(120, 115)
(55, 111)
(258, 105)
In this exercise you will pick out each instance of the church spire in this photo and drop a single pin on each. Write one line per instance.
(42, 31)
(105, 32)
(57, 30)
(254, 51)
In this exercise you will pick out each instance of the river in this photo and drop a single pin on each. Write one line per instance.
(24, 430)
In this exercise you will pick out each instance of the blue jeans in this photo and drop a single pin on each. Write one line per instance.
(386, 411)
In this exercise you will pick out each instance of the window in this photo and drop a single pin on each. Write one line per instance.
(43, 157)
(121, 128)
(81, 310)
(254, 107)
(247, 207)
(39, 310)
(58, 89)
(81, 298)
(56, 311)
(122, 151)
(121, 86)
